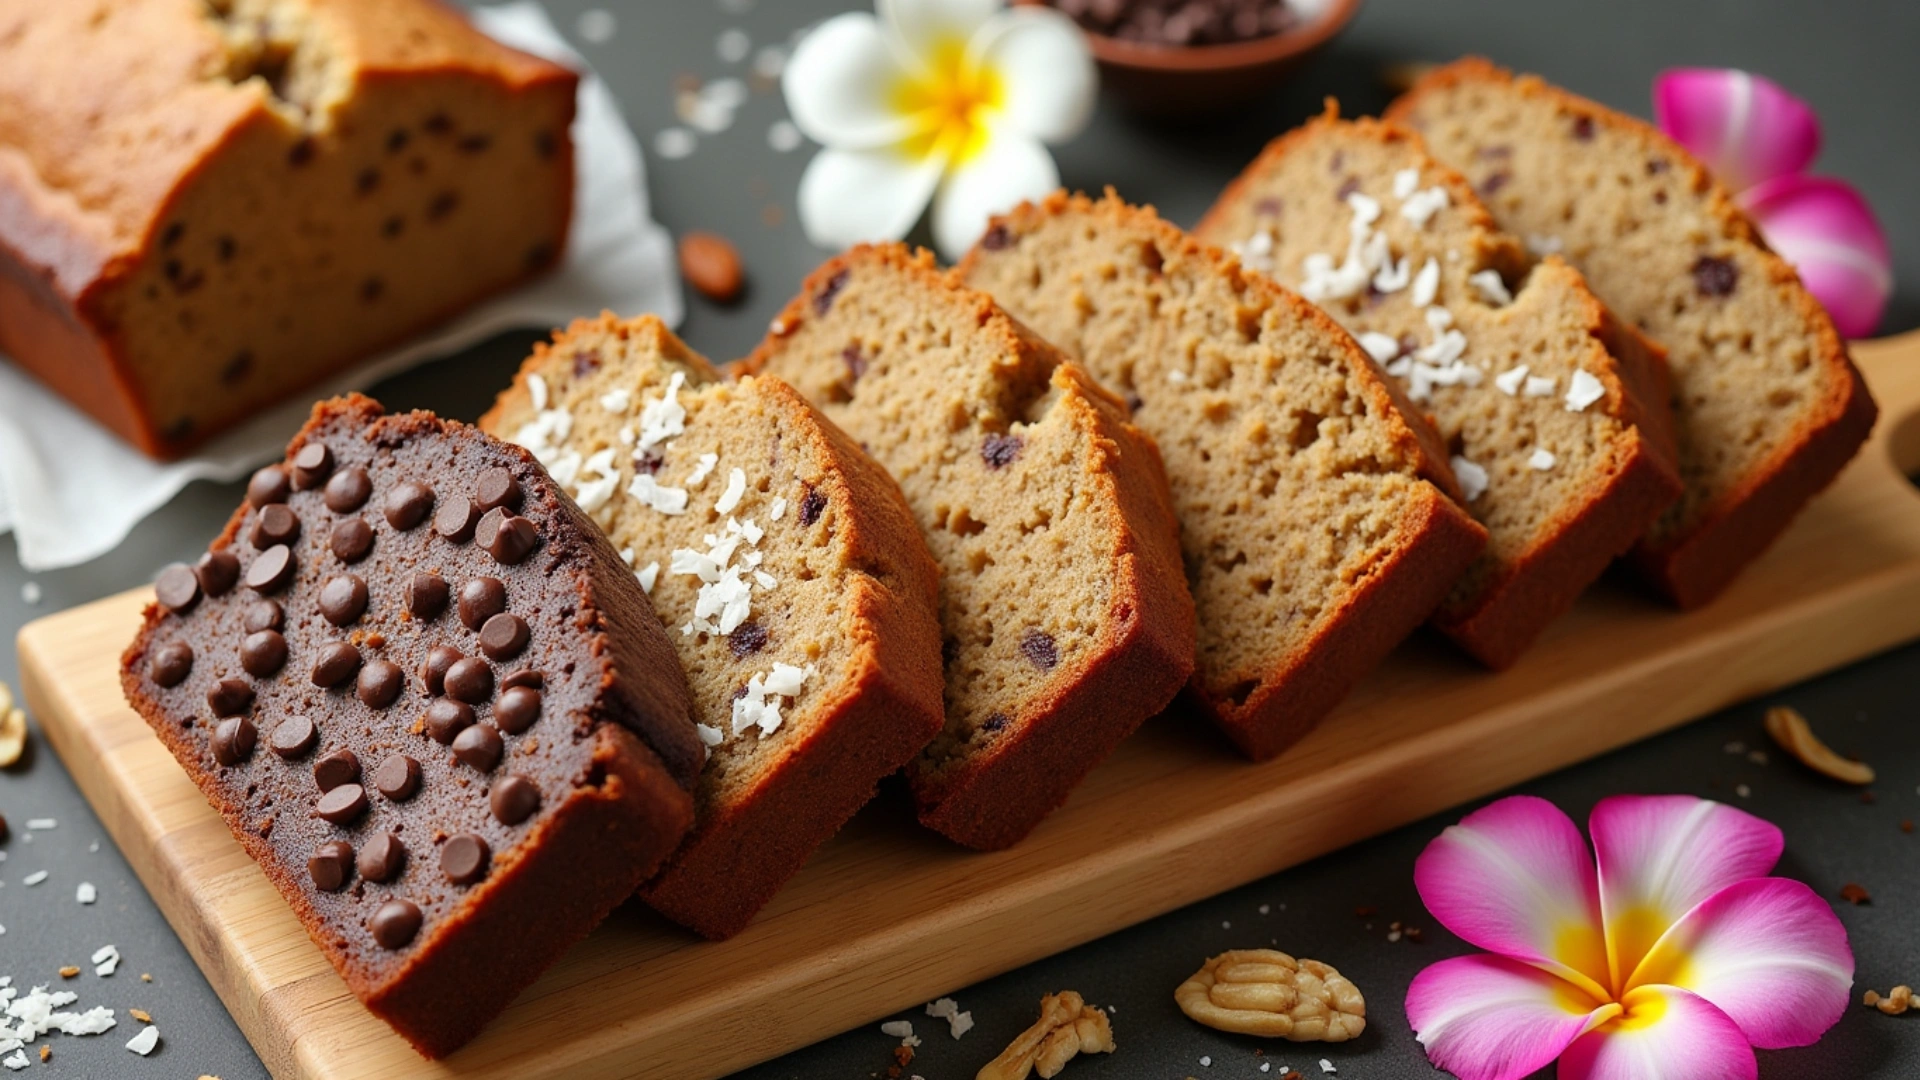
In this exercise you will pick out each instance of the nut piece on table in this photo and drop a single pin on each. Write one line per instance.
(1266, 992)
(1898, 1000)
(1067, 1026)
(13, 728)
(1796, 737)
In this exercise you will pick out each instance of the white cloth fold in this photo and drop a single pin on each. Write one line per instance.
(71, 491)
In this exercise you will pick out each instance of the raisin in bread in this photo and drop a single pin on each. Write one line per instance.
(430, 702)
(1767, 404)
(790, 574)
(1317, 512)
(208, 205)
(1555, 414)
(1064, 618)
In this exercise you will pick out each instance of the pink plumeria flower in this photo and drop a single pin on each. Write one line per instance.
(1760, 140)
(1664, 954)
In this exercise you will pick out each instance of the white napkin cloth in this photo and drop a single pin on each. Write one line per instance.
(71, 491)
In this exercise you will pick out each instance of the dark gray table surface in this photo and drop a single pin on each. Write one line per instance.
(1853, 60)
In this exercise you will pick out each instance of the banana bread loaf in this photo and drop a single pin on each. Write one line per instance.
(1065, 620)
(1556, 415)
(430, 702)
(208, 205)
(1768, 405)
(1317, 511)
(790, 573)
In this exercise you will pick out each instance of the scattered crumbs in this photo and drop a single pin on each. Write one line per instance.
(1206, 1062)
(1742, 790)
(1735, 747)
(1225, 925)
(140, 1015)
(144, 1042)
(1758, 757)
(144, 977)
(1867, 797)
(42, 824)
(16, 1061)
(106, 961)
(1327, 1067)
(69, 971)
(94, 847)
(784, 136)
(1906, 826)
(34, 878)
(733, 45)
(1393, 935)
(958, 1022)
(1855, 894)
(1365, 911)
(597, 26)
(1266, 1066)
(674, 143)
(30, 592)
(86, 893)
(46, 1053)
(899, 1029)
(1264, 908)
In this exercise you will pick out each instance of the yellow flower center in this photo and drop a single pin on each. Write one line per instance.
(950, 104)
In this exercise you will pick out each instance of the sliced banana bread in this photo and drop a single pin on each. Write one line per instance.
(1768, 406)
(790, 574)
(1556, 415)
(1318, 514)
(1065, 620)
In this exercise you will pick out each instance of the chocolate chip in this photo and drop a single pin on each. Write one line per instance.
(426, 596)
(447, 718)
(464, 859)
(380, 684)
(1583, 128)
(171, 664)
(336, 665)
(433, 670)
(342, 805)
(999, 451)
(407, 504)
(381, 858)
(585, 362)
(1037, 646)
(455, 519)
(349, 490)
(517, 709)
(478, 747)
(337, 767)
(997, 237)
(395, 923)
(747, 638)
(301, 152)
(1492, 184)
(343, 599)
(230, 697)
(1715, 276)
(217, 571)
(649, 461)
(351, 540)
(331, 866)
(311, 464)
(811, 504)
(470, 680)
(276, 525)
(514, 799)
(508, 537)
(442, 205)
(293, 737)
(263, 653)
(1347, 187)
(524, 677)
(503, 636)
(271, 570)
(233, 740)
(855, 360)
(397, 778)
(481, 599)
(268, 485)
(1269, 207)
(497, 487)
(263, 615)
(823, 300)
(177, 588)
(996, 722)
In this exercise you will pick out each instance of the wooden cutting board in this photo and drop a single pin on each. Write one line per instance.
(887, 916)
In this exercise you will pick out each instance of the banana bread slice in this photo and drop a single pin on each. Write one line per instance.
(1767, 404)
(1318, 517)
(430, 702)
(1065, 621)
(792, 578)
(1556, 412)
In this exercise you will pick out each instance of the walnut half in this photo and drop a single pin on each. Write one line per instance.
(1067, 1026)
(1266, 992)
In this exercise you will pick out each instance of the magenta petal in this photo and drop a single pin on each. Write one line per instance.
(1666, 1034)
(1828, 232)
(1747, 128)
(1490, 1018)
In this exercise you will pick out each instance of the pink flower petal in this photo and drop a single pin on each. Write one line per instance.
(1490, 1018)
(1768, 952)
(1515, 878)
(1660, 855)
(1747, 128)
(1828, 232)
(1666, 1034)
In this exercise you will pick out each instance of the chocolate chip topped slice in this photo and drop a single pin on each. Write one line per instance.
(464, 858)
(348, 490)
(407, 504)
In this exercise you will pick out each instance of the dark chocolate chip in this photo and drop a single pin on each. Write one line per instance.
(381, 858)
(171, 664)
(351, 540)
(455, 519)
(497, 487)
(336, 767)
(407, 504)
(1714, 276)
(380, 684)
(811, 504)
(1347, 187)
(294, 737)
(426, 596)
(855, 360)
(301, 152)
(997, 237)
(481, 599)
(585, 362)
(1269, 207)
(747, 638)
(368, 181)
(264, 615)
(999, 451)
(464, 859)
(474, 143)
(395, 923)
(397, 778)
(263, 653)
(348, 490)
(397, 140)
(217, 571)
(343, 599)
(442, 205)
(823, 300)
(478, 747)
(177, 588)
(336, 665)
(514, 799)
(271, 570)
(503, 636)
(507, 537)
(447, 718)
(1492, 184)
(649, 462)
(311, 464)
(371, 289)
(470, 679)
(230, 697)
(996, 722)
(1583, 128)
(524, 677)
(1037, 646)
(433, 670)
(517, 709)
(331, 866)
(276, 525)
(233, 740)
(269, 485)
(342, 805)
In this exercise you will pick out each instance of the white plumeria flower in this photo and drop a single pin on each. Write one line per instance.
(951, 101)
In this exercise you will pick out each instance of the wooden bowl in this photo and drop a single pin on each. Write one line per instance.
(1168, 80)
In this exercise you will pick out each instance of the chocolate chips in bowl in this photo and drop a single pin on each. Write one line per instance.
(431, 702)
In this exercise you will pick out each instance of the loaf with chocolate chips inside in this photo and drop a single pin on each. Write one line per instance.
(1767, 404)
(1555, 414)
(790, 574)
(1065, 619)
(207, 206)
(431, 702)
(1318, 514)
